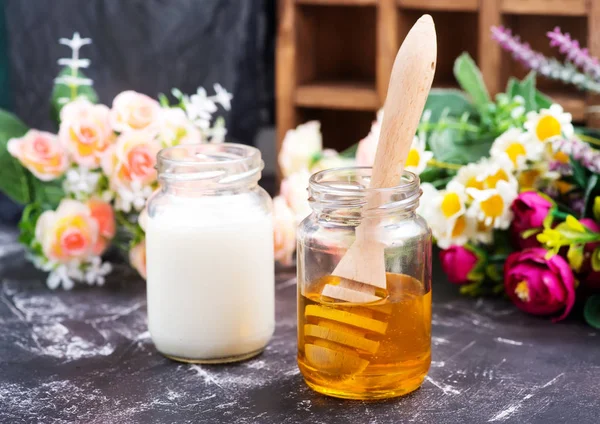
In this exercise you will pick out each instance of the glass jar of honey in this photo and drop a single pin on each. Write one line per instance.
(355, 340)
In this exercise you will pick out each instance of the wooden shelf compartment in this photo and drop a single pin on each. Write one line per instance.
(545, 7)
(335, 44)
(338, 95)
(444, 5)
(450, 41)
(340, 128)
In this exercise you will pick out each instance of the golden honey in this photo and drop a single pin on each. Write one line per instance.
(365, 351)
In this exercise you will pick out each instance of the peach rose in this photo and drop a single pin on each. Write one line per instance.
(41, 153)
(134, 111)
(284, 231)
(131, 159)
(69, 233)
(137, 258)
(102, 212)
(85, 132)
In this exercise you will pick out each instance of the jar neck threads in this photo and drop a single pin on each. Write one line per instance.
(342, 193)
(209, 167)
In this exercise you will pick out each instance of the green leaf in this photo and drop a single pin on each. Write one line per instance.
(527, 90)
(47, 193)
(14, 178)
(596, 208)
(447, 146)
(27, 225)
(575, 256)
(591, 311)
(580, 173)
(453, 100)
(163, 100)
(592, 191)
(350, 152)
(542, 101)
(470, 79)
(512, 87)
(63, 91)
(596, 259)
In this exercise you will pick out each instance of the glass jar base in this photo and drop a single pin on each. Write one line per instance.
(224, 360)
(406, 388)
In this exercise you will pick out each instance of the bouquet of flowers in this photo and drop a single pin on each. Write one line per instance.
(84, 187)
(510, 190)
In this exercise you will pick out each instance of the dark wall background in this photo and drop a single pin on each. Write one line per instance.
(144, 45)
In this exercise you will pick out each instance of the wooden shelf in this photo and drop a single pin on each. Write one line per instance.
(337, 95)
(338, 2)
(443, 5)
(572, 102)
(545, 7)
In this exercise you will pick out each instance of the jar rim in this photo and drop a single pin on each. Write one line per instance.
(220, 162)
(409, 181)
(348, 189)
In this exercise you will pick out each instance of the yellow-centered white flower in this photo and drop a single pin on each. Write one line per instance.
(445, 212)
(491, 207)
(417, 156)
(549, 123)
(518, 147)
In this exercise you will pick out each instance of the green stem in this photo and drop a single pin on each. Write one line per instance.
(444, 165)
(589, 139)
(560, 215)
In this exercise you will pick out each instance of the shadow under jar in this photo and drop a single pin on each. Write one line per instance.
(357, 350)
(210, 264)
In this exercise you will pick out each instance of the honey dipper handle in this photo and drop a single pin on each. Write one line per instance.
(410, 82)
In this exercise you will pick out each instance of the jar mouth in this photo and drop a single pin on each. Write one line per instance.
(223, 163)
(349, 188)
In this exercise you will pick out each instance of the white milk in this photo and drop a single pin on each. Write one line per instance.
(210, 278)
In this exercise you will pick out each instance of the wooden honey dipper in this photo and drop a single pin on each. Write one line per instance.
(337, 334)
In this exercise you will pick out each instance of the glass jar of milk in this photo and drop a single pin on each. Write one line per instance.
(210, 266)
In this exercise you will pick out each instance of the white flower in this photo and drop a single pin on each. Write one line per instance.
(81, 183)
(132, 197)
(199, 106)
(96, 271)
(518, 147)
(472, 175)
(549, 123)
(492, 206)
(64, 275)
(217, 132)
(445, 212)
(294, 191)
(299, 147)
(222, 96)
(284, 227)
(418, 156)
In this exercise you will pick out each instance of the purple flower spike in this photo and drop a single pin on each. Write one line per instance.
(580, 57)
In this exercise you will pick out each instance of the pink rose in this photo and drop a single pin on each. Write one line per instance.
(284, 234)
(102, 212)
(457, 263)
(137, 258)
(69, 233)
(134, 111)
(85, 132)
(529, 209)
(539, 286)
(41, 153)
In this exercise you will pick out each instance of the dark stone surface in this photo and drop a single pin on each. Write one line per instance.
(86, 356)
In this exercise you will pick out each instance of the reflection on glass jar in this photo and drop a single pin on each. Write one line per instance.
(379, 344)
(210, 264)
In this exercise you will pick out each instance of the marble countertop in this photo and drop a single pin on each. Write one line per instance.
(86, 356)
